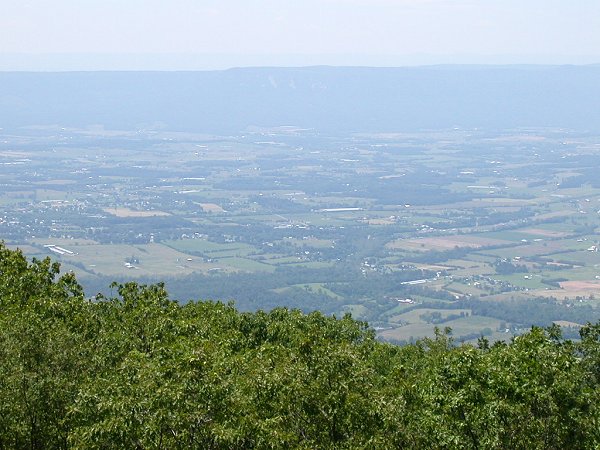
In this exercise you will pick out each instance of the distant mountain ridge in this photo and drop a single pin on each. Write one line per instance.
(327, 99)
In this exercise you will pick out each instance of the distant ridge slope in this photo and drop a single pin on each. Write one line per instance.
(328, 99)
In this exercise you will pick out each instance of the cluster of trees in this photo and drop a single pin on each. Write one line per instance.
(262, 290)
(137, 370)
(504, 267)
(437, 318)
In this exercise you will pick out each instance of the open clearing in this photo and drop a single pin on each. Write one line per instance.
(545, 232)
(593, 286)
(460, 327)
(152, 260)
(126, 212)
(211, 207)
(445, 243)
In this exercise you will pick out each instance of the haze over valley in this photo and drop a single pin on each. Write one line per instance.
(412, 197)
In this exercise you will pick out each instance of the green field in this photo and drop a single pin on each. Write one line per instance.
(208, 247)
(413, 326)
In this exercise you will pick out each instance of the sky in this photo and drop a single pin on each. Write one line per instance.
(216, 34)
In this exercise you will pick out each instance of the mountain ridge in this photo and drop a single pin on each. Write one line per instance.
(324, 98)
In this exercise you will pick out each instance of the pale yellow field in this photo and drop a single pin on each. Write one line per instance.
(581, 285)
(566, 323)
(380, 221)
(444, 243)
(571, 290)
(126, 212)
(55, 182)
(545, 233)
(211, 207)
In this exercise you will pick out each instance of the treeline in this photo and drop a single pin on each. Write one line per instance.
(261, 290)
(137, 370)
(526, 312)
(504, 267)
(521, 313)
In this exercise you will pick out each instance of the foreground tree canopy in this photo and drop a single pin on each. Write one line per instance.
(138, 370)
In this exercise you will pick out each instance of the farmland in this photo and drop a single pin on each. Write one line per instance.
(401, 230)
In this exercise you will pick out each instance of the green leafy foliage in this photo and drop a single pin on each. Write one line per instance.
(137, 370)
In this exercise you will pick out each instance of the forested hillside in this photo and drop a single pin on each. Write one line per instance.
(138, 370)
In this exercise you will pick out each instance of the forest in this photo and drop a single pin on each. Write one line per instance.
(135, 369)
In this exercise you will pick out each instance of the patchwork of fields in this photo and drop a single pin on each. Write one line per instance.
(398, 229)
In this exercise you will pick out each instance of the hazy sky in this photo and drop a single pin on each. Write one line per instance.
(179, 34)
